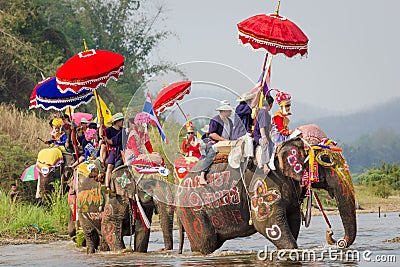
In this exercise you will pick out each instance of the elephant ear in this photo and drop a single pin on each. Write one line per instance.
(291, 157)
(123, 183)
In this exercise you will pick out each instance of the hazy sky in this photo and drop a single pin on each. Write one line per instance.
(353, 61)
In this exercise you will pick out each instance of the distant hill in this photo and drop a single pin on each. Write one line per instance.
(347, 128)
(371, 149)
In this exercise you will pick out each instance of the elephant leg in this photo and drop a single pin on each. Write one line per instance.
(294, 221)
(277, 230)
(103, 246)
(71, 226)
(200, 231)
(167, 223)
(181, 236)
(111, 226)
(92, 239)
(142, 235)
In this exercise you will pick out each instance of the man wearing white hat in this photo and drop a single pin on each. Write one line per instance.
(221, 127)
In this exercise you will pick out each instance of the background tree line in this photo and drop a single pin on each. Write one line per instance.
(37, 36)
(371, 149)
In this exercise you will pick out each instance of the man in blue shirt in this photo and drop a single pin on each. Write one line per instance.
(221, 127)
(261, 133)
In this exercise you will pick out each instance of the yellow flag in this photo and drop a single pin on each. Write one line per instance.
(104, 110)
(69, 110)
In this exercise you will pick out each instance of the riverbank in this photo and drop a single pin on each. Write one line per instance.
(30, 238)
(365, 199)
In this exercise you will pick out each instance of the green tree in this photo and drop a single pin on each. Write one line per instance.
(37, 36)
(27, 49)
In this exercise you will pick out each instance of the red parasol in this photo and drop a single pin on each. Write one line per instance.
(168, 96)
(274, 33)
(89, 69)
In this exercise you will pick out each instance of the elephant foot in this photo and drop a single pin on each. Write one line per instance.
(127, 250)
(90, 250)
(163, 249)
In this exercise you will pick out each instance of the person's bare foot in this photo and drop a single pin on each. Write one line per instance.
(202, 181)
(266, 169)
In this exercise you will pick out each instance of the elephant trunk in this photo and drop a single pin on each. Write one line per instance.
(345, 200)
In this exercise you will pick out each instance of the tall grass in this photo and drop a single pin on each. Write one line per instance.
(18, 218)
(24, 127)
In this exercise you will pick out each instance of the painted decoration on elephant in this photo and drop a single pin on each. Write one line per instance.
(108, 228)
(123, 180)
(216, 179)
(222, 192)
(273, 233)
(262, 199)
(227, 217)
(339, 166)
(86, 198)
(293, 161)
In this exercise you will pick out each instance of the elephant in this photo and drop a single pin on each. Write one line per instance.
(268, 204)
(52, 165)
(106, 218)
(86, 198)
(122, 205)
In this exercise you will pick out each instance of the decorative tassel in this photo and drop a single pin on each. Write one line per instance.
(143, 217)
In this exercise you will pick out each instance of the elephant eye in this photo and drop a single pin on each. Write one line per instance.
(324, 159)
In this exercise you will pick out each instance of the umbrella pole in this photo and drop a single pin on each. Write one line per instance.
(265, 61)
(183, 113)
(73, 135)
(98, 105)
(101, 120)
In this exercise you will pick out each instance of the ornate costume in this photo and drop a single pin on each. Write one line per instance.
(191, 144)
(138, 141)
(280, 121)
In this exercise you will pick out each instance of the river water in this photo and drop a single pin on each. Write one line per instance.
(368, 250)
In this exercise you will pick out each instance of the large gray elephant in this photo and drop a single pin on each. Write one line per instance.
(106, 218)
(268, 204)
(122, 205)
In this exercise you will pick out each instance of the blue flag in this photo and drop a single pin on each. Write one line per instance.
(148, 108)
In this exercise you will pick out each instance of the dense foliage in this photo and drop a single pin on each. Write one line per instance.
(383, 180)
(18, 219)
(37, 36)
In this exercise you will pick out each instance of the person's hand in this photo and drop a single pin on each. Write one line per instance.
(263, 141)
(187, 145)
(47, 142)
